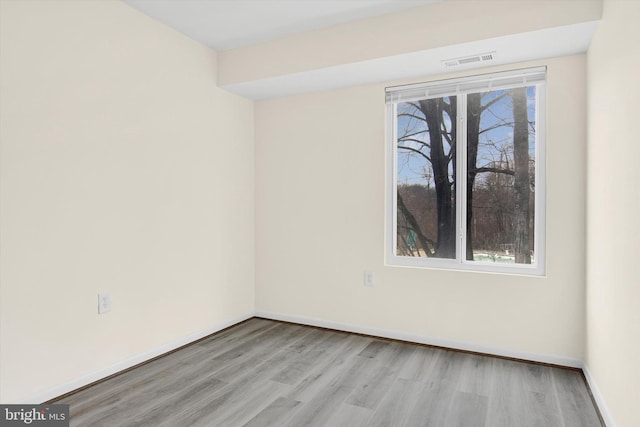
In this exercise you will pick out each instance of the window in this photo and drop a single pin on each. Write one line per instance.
(466, 173)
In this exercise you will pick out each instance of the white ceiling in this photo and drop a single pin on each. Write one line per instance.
(227, 24)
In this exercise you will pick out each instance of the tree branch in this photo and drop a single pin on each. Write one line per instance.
(424, 242)
(496, 126)
(494, 170)
(415, 151)
(412, 134)
(493, 101)
(413, 116)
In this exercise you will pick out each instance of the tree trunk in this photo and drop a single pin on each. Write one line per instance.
(474, 111)
(445, 244)
(521, 177)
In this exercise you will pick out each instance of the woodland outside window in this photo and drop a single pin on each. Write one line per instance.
(466, 173)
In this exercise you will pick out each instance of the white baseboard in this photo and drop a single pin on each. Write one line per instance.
(129, 362)
(597, 396)
(421, 339)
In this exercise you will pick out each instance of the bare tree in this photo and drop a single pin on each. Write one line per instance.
(521, 184)
(430, 133)
(433, 138)
(434, 110)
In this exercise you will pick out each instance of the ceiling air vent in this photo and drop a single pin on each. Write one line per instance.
(473, 59)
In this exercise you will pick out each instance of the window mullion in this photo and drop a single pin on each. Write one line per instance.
(461, 173)
(393, 188)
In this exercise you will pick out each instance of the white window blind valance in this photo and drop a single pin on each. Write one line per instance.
(471, 84)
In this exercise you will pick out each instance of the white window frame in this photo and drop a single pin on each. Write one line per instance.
(460, 87)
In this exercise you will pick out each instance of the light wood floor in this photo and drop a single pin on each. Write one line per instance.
(267, 373)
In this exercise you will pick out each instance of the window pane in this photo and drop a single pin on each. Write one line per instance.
(426, 188)
(501, 175)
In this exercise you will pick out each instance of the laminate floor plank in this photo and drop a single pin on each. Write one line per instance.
(240, 406)
(276, 336)
(575, 403)
(396, 405)
(541, 404)
(447, 369)
(268, 373)
(374, 347)
(249, 357)
(277, 413)
(154, 413)
(380, 373)
(327, 369)
(307, 355)
(435, 398)
(506, 402)
(420, 364)
(252, 389)
(467, 410)
(244, 330)
(349, 416)
(475, 375)
(542, 410)
(430, 407)
(317, 411)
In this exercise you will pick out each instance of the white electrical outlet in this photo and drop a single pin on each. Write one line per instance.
(104, 302)
(369, 278)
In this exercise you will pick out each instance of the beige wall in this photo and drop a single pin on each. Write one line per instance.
(613, 278)
(124, 169)
(320, 223)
